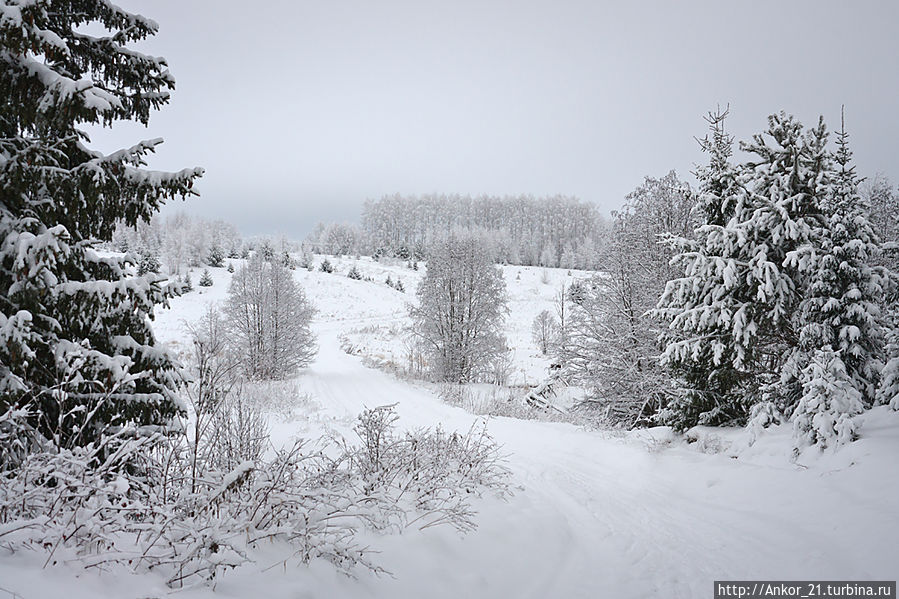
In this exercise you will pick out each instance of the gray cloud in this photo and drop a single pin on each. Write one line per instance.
(301, 110)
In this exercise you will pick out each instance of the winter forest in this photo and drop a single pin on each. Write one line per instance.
(447, 394)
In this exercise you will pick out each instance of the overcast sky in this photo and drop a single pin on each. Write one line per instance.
(301, 110)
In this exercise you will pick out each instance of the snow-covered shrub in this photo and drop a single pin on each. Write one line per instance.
(429, 473)
(326, 266)
(187, 284)
(18, 437)
(399, 285)
(825, 413)
(123, 501)
(762, 415)
(705, 440)
(277, 398)
(354, 273)
(131, 501)
(231, 267)
(239, 432)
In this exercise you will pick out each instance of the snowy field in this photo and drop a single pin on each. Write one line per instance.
(594, 514)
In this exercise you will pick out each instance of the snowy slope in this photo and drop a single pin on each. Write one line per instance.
(595, 514)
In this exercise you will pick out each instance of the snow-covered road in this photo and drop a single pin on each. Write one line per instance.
(607, 516)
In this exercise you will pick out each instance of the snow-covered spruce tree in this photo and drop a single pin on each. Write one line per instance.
(461, 308)
(888, 392)
(206, 278)
(147, 263)
(216, 256)
(268, 318)
(785, 278)
(840, 310)
(76, 347)
(737, 305)
(829, 400)
(701, 347)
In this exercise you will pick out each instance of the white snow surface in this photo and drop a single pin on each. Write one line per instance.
(594, 514)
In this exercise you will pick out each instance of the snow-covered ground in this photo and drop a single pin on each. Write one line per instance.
(594, 514)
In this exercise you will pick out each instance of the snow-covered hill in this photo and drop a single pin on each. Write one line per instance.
(595, 514)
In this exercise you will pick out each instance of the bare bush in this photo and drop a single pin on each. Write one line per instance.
(429, 472)
(610, 342)
(545, 331)
(135, 502)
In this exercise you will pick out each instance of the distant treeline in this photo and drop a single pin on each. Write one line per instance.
(547, 231)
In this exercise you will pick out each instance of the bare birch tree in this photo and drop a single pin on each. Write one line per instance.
(461, 309)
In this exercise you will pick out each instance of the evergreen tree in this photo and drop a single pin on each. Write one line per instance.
(830, 399)
(778, 288)
(266, 250)
(76, 345)
(216, 257)
(206, 279)
(147, 263)
(841, 308)
(731, 314)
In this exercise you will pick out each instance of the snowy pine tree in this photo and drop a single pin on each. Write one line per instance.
(206, 279)
(830, 399)
(888, 392)
(76, 345)
(841, 308)
(744, 279)
(697, 343)
(779, 272)
(216, 256)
